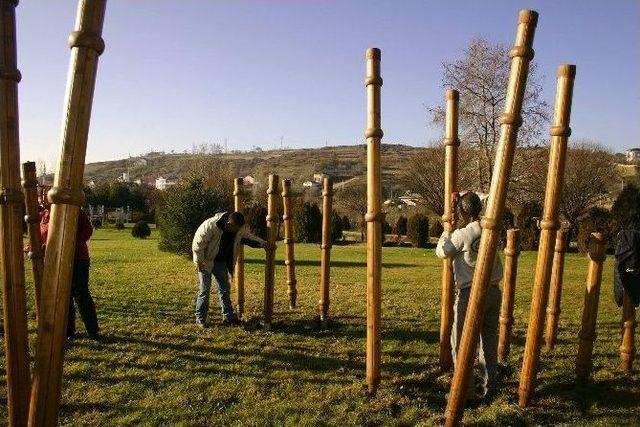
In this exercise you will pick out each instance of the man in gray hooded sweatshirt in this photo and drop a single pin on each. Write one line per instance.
(462, 246)
(215, 251)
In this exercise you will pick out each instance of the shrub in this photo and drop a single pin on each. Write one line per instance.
(336, 228)
(307, 222)
(141, 230)
(626, 209)
(96, 223)
(436, 229)
(596, 220)
(386, 228)
(401, 226)
(530, 213)
(508, 222)
(119, 225)
(184, 207)
(256, 219)
(346, 223)
(418, 230)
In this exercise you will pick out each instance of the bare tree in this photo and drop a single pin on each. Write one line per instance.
(481, 77)
(589, 176)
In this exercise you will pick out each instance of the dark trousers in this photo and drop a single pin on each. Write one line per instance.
(82, 297)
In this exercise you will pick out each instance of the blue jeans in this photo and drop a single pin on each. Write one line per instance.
(221, 276)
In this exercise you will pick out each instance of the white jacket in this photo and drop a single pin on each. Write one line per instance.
(462, 246)
(206, 242)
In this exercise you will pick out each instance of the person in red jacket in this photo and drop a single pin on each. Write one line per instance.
(80, 276)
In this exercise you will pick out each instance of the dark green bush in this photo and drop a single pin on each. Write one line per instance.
(401, 226)
(418, 230)
(436, 229)
(141, 230)
(626, 209)
(184, 207)
(336, 228)
(306, 219)
(387, 228)
(256, 219)
(596, 220)
(508, 222)
(527, 221)
(346, 223)
(119, 225)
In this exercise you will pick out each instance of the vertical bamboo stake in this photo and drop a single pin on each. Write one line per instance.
(627, 343)
(270, 262)
(325, 257)
(373, 218)
(289, 242)
(555, 293)
(587, 335)
(66, 197)
(11, 258)
(451, 143)
(32, 218)
(511, 252)
(238, 274)
(560, 132)
(521, 55)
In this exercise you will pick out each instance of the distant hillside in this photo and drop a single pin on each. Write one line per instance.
(340, 162)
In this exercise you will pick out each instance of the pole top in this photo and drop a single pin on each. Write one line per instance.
(373, 53)
(452, 94)
(567, 70)
(527, 16)
(28, 167)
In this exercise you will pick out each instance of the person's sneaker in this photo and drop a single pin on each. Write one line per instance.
(202, 324)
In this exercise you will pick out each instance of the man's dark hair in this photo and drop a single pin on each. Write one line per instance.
(470, 204)
(236, 218)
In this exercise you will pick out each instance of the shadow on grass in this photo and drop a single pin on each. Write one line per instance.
(342, 264)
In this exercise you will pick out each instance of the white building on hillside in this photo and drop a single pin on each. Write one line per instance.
(633, 155)
(163, 183)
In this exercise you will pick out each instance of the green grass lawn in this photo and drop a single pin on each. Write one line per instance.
(154, 367)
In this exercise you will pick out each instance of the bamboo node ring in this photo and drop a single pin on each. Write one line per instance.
(272, 218)
(373, 133)
(86, 39)
(490, 223)
(452, 141)
(560, 131)
(549, 224)
(65, 196)
(327, 193)
(7, 73)
(373, 217)
(522, 52)
(285, 217)
(373, 80)
(511, 252)
(326, 246)
(511, 119)
(10, 196)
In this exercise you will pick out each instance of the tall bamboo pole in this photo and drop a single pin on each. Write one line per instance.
(289, 261)
(549, 224)
(511, 252)
(270, 262)
(32, 218)
(238, 274)
(373, 218)
(521, 55)
(325, 257)
(66, 197)
(451, 143)
(627, 343)
(555, 293)
(11, 257)
(587, 335)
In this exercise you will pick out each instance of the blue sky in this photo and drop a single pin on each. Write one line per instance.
(178, 73)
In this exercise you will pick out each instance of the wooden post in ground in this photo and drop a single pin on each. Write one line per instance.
(549, 224)
(511, 252)
(555, 292)
(451, 144)
(289, 261)
(16, 356)
(238, 274)
(627, 343)
(32, 218)
(373, 218)
(325, 257)
(270, 261)
(587, 335)
(521, 55)
(66, 197)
